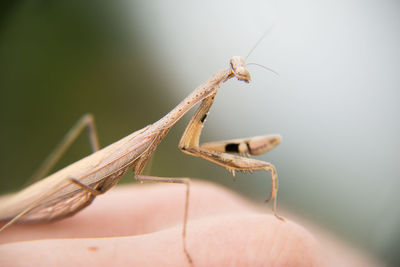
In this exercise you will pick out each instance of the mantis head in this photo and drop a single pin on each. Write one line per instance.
(238, 67)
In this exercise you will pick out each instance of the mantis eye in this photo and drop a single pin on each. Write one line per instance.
(239, 70)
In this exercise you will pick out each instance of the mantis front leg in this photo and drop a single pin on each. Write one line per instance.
(217, 152)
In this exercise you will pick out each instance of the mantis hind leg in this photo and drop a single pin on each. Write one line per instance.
(86, 188)
(56, 188)
(86, 121)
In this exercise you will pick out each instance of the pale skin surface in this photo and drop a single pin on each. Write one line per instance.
(141, 225)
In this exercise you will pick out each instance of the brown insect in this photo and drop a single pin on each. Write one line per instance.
(71, 189)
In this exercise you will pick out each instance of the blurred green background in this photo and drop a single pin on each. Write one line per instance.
(129, 62)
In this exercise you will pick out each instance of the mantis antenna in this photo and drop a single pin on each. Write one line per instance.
(255, 46)
(264, 67)
(259, 41)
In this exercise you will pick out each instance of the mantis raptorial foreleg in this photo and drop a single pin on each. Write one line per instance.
(86, 121)
(256, 145)
(189, 144)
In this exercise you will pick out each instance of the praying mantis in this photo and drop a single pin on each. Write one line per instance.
(69, 190)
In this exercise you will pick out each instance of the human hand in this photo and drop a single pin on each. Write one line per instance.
(141, 225)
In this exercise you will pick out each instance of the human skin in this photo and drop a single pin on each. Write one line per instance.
(141, 225)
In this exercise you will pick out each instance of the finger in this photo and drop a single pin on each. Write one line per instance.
(134, 210)
(239, 240)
